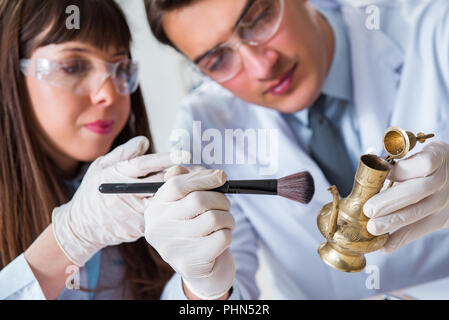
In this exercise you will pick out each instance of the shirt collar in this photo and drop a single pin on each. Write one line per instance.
(80, 174)
(82, 171)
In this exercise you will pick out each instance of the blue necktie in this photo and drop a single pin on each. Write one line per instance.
(328, 149)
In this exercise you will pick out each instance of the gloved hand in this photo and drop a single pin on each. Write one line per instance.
(91, 221)
(192, 230)
(418, 203)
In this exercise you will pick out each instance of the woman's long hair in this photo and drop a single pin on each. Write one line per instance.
(31, 185)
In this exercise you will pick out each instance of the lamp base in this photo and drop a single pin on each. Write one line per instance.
(340, 261)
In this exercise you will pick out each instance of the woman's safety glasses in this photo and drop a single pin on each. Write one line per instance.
(259, 23)
(83, 76)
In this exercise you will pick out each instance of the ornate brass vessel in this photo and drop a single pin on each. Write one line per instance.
(343, 223)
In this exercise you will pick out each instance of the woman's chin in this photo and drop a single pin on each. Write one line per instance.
(92, 154)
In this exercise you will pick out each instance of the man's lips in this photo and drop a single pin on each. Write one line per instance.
(283, 83)
(101, 126)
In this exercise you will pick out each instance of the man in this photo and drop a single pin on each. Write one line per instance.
(330, 81)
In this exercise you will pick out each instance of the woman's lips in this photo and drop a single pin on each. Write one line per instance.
(284, 84)
(101, 127)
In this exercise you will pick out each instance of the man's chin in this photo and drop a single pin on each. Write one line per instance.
(293, 109)
(296, 101)
(287, 108)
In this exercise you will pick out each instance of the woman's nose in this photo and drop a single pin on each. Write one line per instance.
(106, 93)
(258, 61)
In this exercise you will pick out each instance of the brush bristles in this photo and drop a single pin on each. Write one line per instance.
(298, 187)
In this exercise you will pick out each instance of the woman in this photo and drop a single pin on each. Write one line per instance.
(68, 97)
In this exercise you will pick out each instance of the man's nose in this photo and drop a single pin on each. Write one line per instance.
(258, 61)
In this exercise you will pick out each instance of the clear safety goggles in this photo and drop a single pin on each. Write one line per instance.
(259, 23)
(83, 75)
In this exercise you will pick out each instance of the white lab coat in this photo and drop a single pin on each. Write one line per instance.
(400, 77)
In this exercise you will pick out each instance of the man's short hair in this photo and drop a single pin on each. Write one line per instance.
(155, 10)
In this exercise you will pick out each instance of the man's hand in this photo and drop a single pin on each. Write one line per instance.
(418, 203)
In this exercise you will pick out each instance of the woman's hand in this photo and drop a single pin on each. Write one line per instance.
(192, 230)
(91, 220)
(418, 203)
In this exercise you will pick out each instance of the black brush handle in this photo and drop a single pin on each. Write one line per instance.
(267, 186)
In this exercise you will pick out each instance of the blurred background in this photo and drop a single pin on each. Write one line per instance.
(165, 77)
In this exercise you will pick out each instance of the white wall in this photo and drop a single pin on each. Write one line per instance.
(163, 76)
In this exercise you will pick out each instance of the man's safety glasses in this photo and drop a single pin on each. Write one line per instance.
(83, 76)
(259, 22)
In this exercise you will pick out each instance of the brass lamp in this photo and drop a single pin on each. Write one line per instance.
(343, 223)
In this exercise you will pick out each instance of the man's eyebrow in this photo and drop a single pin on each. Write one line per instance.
(246, 8)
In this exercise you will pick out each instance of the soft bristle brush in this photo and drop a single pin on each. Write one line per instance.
(298, 187)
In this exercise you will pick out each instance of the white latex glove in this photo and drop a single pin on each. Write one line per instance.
(192, 230)
(91, 220)
(418, 202)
